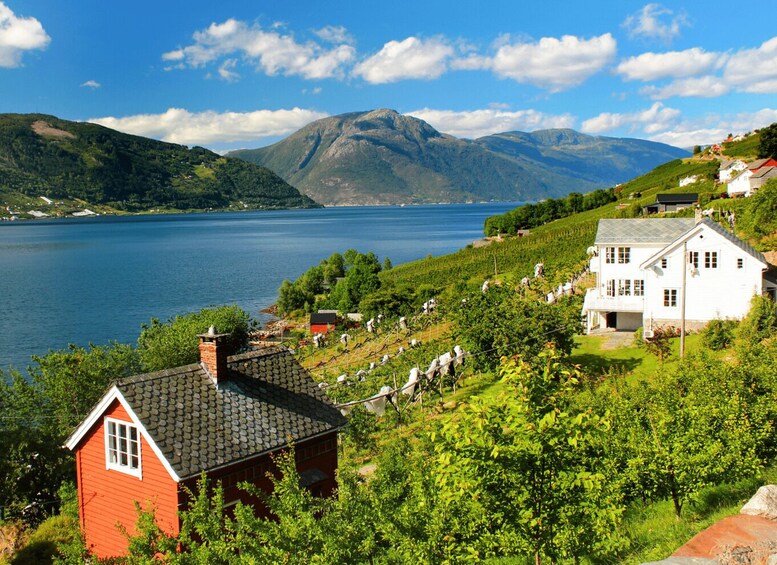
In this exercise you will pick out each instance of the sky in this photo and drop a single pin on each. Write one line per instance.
(245, 74)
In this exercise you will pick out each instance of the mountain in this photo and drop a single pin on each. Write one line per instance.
(42, 155)
(382, 157)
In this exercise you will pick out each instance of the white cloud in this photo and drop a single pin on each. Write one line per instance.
(335, 34)
(478, 123)
(411, 58)
(666, 125)
(271, 51)
(702, 87)
(674, 64)
(713, 128)
(654, 119)
(654, 21)
(93, 84)
(226, 72)
(177, 125)
(754, 70)
(555, 64)
(17, 35)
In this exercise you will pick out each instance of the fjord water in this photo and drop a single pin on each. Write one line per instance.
(98, 279)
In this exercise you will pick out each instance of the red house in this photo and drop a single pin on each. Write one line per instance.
(322, 322)
(153, 434)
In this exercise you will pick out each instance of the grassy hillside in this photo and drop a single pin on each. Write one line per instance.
(86, 164)
(747, 148)
(560, 244)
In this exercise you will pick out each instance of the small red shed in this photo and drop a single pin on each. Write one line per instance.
(152, 435)
(322, 322)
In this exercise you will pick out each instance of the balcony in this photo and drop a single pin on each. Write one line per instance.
(594, 302)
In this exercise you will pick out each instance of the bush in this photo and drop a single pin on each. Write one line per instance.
(718, 334)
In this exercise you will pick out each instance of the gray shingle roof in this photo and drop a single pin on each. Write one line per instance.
(267, 399)
(651, 230)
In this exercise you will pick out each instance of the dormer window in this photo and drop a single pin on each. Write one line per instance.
(122, 447)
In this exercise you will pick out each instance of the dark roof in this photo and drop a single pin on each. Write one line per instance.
(641, 230)
(679, 198)
(323, 318)
(267, 399)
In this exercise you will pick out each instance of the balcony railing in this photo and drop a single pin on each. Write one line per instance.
(594, 302)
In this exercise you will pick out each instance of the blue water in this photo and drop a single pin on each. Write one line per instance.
(97, 280)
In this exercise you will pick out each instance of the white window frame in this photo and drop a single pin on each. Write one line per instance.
(740, 263)
(610, 288)
(664, 263)
(639, 287)
(710, 259)
(693, 258)
(670, 298)
(609, 255)
(624, 287)
(114, 452)
(624, 255)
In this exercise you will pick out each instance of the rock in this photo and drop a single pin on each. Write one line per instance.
(764, 503)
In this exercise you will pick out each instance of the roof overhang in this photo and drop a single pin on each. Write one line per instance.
(114, 394)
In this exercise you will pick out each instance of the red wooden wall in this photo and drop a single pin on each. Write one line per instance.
(106, 497)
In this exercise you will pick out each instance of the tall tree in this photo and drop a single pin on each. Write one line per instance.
(768, 144)
(525, 460)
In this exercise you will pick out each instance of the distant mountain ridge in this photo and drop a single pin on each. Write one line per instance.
(42, 155)
(383, 157)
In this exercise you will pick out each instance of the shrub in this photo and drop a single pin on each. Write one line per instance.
(718, 334)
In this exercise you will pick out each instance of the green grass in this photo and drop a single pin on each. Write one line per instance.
(747, 148)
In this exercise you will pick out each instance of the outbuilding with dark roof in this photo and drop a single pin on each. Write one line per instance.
(152, 435)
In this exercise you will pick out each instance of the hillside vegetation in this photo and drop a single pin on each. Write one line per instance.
(87, 164)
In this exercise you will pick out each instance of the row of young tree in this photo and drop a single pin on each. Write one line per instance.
(40, 408)
(542, 470)
(531, 216)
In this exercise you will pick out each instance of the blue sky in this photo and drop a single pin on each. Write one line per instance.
(227, 74)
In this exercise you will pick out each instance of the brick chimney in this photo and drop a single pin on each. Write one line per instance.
(213, 354)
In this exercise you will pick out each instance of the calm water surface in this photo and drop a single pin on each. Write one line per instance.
(97, 280)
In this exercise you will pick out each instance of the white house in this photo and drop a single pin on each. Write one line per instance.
(729, 169)
(750, 179)
(648, 270)
(689, 180)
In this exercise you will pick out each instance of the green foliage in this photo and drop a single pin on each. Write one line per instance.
(525, 462)
(659, 345)
(759, 324)
(532, 215)
(38, 413)
(687, 430)
(175, 343)
(718, 334)
(759, 217)
(101, 166)
(502, 323)
(57, 539)
(767, 146)
(390, 301)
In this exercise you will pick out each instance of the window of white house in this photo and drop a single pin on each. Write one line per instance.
(122, 447)
(624, 254)
(670, 297)
(740, 263)
(611, 287)
(639, 287)
(664, 263)
(624, 287)
(710, 259)
(609, 255)
(693, 258)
